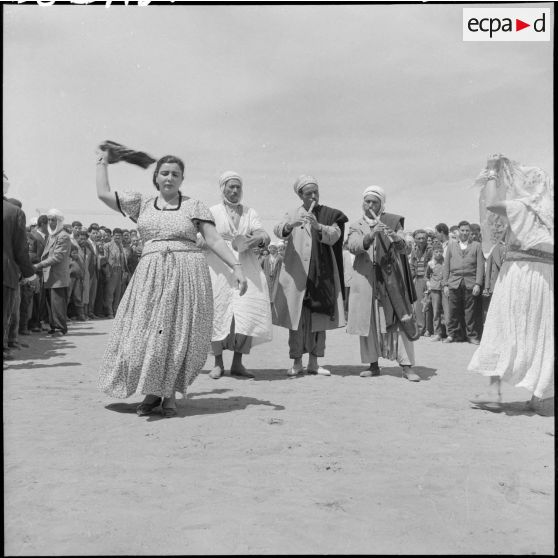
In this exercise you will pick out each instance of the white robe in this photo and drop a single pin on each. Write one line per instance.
(252, 311)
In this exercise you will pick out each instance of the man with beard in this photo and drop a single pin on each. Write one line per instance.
(239, 322)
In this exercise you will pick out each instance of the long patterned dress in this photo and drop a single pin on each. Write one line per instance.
(162, 330)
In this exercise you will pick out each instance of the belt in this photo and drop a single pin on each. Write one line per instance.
(170, 246)
(530, 255)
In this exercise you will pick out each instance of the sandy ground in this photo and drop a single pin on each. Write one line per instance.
(281, 465)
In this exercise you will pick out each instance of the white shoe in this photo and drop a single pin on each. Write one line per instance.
(321, 371)
(294, 371)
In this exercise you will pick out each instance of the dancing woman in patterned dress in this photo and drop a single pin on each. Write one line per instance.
(162, 330)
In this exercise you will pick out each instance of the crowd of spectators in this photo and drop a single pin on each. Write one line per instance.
(453, 279)
(84, 273)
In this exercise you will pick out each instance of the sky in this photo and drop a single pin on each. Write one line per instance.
(354, 95)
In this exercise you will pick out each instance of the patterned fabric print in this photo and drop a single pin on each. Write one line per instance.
(162, 330)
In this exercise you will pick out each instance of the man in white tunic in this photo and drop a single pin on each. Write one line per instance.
(239, 323)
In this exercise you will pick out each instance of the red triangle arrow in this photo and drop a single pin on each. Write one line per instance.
(519, 25)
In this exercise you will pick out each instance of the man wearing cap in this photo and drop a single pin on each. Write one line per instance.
(55, 266)
(239, 322)
(310, 290)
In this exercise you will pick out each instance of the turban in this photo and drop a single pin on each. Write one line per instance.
(55, 213)
(59, 220)
(302, 181)
(378, 192)
(224, 178)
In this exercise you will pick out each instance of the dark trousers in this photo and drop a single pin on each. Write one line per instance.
(438, 313)
(463, 306)
(57, 305)
(92, 291)
(13, 327)
(304, 340)
(113, 291)
(420, 287)
(100, 295)
(25, 307)
(39, 312)
(8, 299)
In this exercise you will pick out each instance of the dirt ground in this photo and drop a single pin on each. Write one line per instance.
(273, 465)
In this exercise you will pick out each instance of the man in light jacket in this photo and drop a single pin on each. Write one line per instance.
(309, 296)
(55, 266)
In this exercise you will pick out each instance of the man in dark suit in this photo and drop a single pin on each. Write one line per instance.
(55, 266)
(463, 277)
(15, 260)
(37, 242)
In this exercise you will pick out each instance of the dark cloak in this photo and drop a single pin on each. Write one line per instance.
(320, 294)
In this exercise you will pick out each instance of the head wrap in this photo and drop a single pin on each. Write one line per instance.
(59, 220)
(223, 179)
(378, 192)
(303, 180)
(530, 185)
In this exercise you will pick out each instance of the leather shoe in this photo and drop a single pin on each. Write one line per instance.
(372, 371)
(144, 409)
(449, 339)
(410, 375)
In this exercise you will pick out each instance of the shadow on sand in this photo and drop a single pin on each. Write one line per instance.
(204, 406)
(424, 372)
(516, 408)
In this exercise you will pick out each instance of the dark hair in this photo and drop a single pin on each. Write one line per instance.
(76, 224)
(162, 161)
(463, 223)
(475, 227)
(442, 228)
(419, 231)
(42, 220)
(94, 226)
(107, 230)
(83, 232)
(454, 227)
(116, 231)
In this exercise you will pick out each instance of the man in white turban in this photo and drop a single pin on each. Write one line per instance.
(309, 295)
(239, 322)
(55, 266)
(382, 292)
